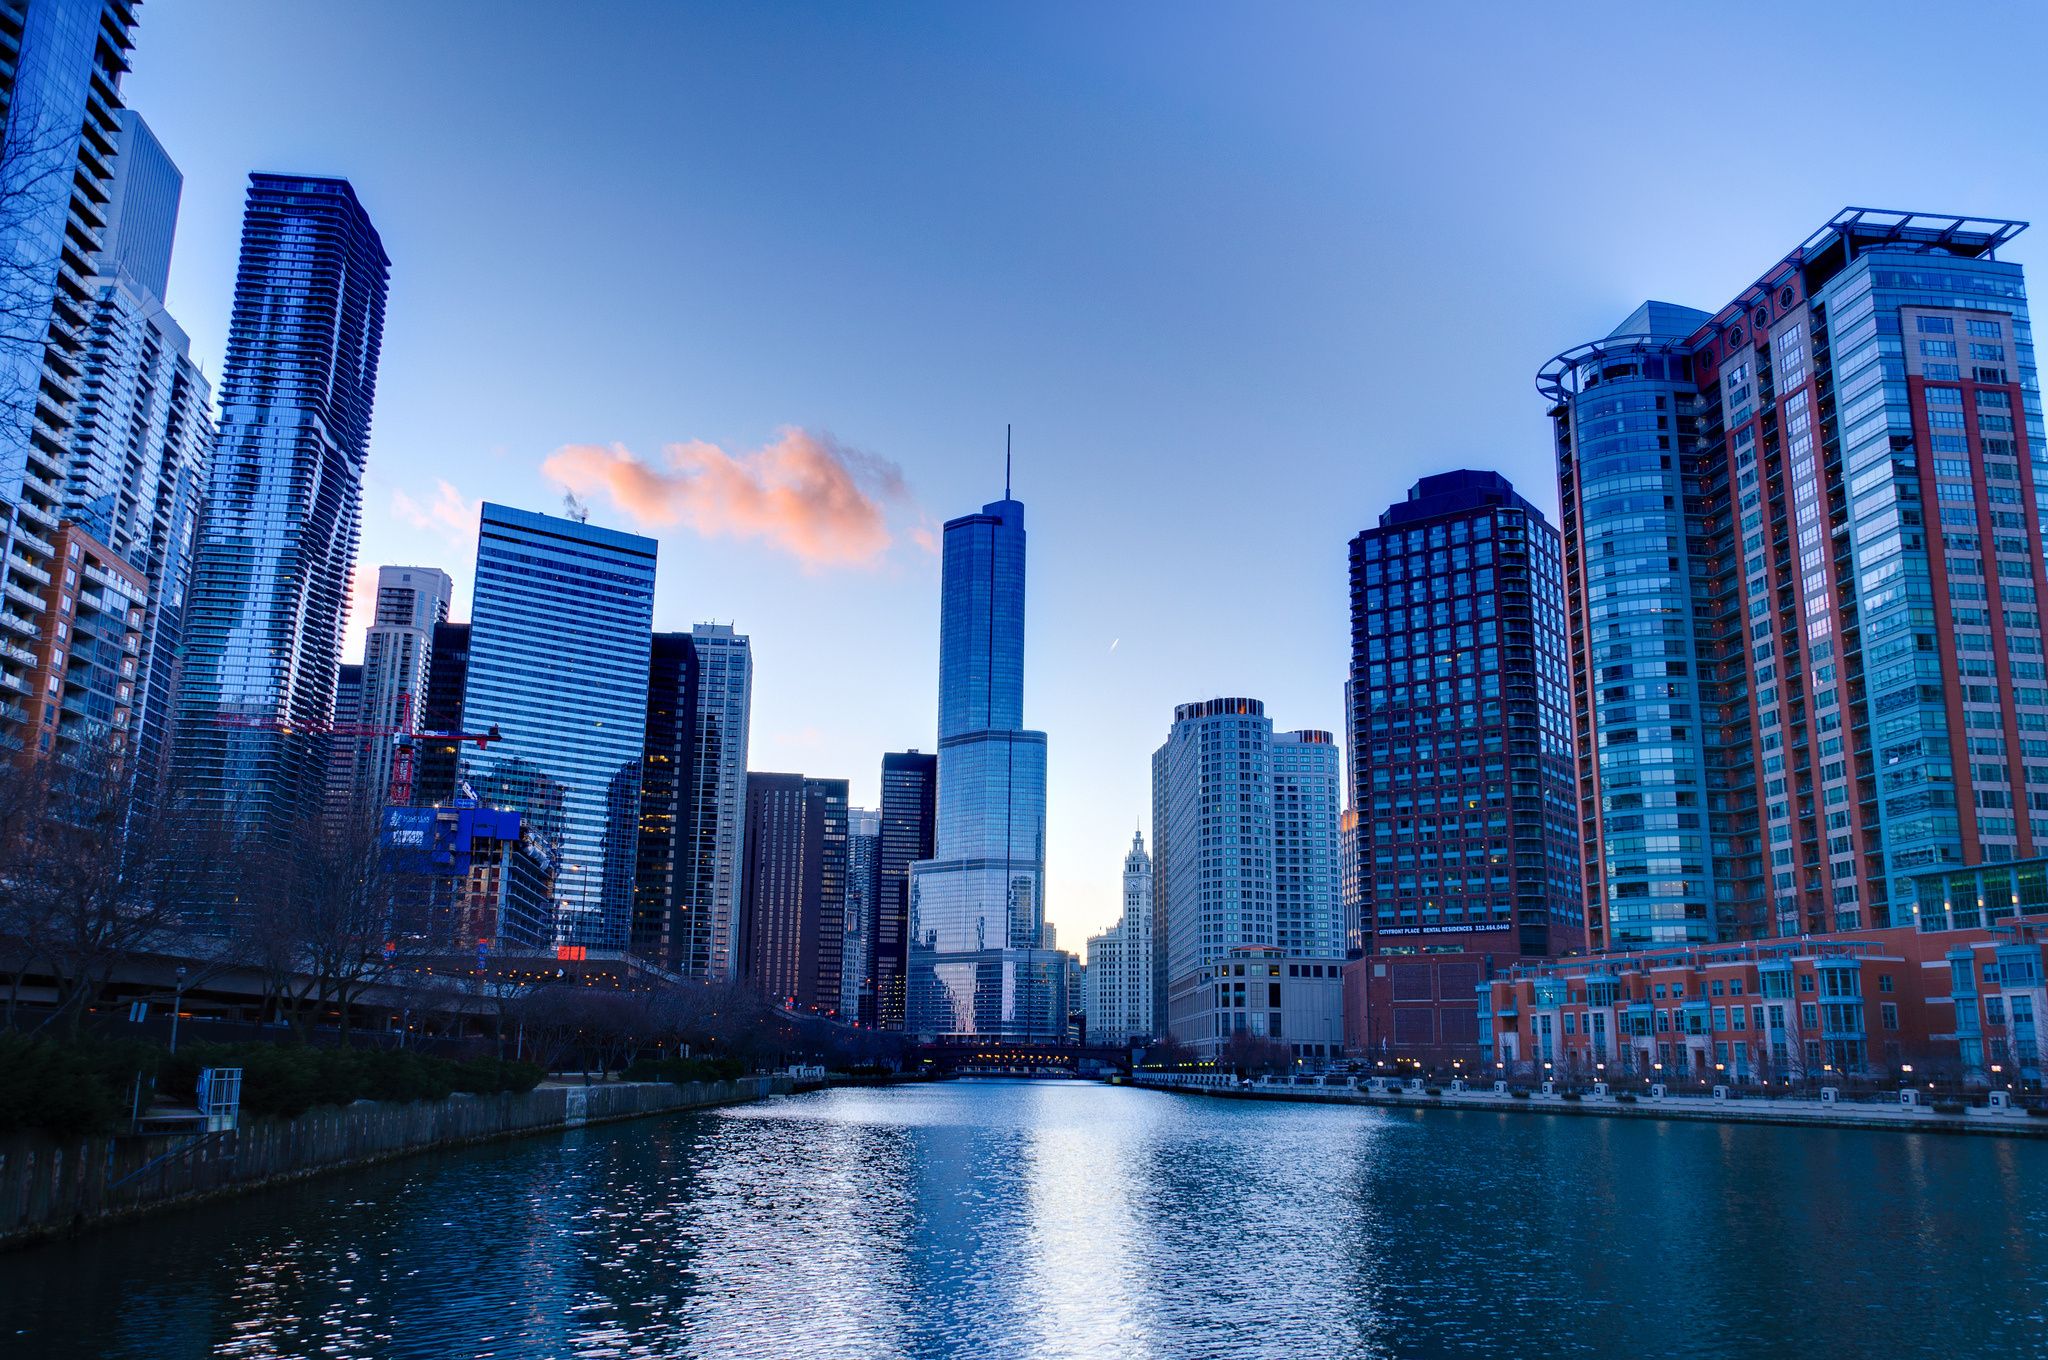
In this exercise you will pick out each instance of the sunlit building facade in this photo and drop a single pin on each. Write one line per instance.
(717, 800)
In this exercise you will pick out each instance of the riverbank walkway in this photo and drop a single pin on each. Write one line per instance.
(1997, 1120)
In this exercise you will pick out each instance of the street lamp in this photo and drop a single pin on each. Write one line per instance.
(177, 1004)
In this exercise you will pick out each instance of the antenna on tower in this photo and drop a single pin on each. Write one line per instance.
(1006, 460)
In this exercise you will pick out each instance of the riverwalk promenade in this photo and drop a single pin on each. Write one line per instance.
(1998, 1119)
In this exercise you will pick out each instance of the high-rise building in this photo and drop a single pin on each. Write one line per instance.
(977, 909)
(560, 632)
(142, 443)
(662, 924)
(1159, 841)
(1802, 551)
(398, 653)
(1250, 862)
(1119, 972)
(84, 677)
(793, 908)
(343, 760)
(1308, 900)
(440, 771)
(1103, 998)
(863, 844)
(60, 103)
(717, 800)
(1462, 764)
(910, 793)
(278, 538)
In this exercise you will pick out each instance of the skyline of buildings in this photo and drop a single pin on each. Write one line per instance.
(1780, 659)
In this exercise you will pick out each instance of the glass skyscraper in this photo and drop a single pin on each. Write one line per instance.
(560, 636)
(910, 785)
(59, 101)
(977, 907)
(278, 540)
(717, 800)
(143, 441)
(1802, 548)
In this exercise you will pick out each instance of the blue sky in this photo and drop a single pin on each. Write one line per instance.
(1237, 274)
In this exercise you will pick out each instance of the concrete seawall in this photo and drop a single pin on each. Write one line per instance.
(50, 1186)
(1748, 1110)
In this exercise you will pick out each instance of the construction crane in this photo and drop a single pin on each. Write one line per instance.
(399, 793)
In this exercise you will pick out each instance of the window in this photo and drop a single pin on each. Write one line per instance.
(1889, 1012)
(1884, 982)
(1994, 354)
(1809, 1015)
(1934, 325)
(1938, 349)
(1986, 330)
(1994, 1010)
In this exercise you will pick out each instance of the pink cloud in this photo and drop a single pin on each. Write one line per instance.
(450, 516)
(805, 494)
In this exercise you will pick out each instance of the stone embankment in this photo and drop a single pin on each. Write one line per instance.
(2008, 1122)
(51, 1186)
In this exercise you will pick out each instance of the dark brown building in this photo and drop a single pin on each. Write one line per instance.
(793, 898)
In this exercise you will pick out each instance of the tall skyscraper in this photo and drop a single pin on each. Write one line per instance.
(794, 890)
(1308, 900)
(910, 800)
(977, 907)
(863, 845)
(143, 440)
(718, 800)
(662, 926)
(343, 761)
(560, 633)
(1802, 550)
(1250, 864)
(58, 96)
(447, 676)
(1461, 759)
(278, 538)
(398, 654)
(1160, 832)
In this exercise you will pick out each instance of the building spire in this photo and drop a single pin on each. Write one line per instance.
(1006, 460)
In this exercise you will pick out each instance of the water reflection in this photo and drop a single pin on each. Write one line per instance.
(1057, 1220)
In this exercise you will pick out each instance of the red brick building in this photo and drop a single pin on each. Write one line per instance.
(1955, 1004)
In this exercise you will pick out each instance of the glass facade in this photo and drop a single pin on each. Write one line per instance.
(1851, 449)
(560, 635)
(143, 440)
(1308, 901)
(910, 788)
(717, 802)
(61, 110)
(278, 539)
(863, 844)
(663, 925)
(977, 913)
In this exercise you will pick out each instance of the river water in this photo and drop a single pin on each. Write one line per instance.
(1061, 1219)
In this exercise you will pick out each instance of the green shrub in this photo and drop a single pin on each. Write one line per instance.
(680, 1070)
(69, 1089)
